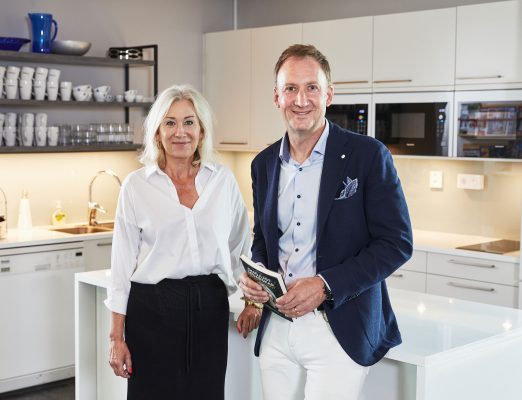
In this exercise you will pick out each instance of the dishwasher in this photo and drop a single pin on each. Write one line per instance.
(37, 313)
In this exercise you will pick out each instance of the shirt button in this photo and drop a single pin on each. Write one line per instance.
(300, 169)
(298, 224)
(298, 196)
(290, 274)
(296, 250)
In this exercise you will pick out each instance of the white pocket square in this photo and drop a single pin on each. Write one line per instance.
(350, 188)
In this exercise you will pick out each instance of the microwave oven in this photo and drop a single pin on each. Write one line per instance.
(351, 111)
(488, 124)
(414, 123)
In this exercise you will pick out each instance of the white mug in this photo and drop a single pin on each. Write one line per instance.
(41, 74)
(13, 72)
(39, 89)
(27, 119)
(26, 88)
(11, 88)
(27, 73)
(119, 98)
(139, 98)
(101, 92)
(54, 75)
(2, 74)
(41, 136)
(10, 135)
(130, 95)
(10, 119)
(52, 135)
(40, 119)
(65, 90)
(27, 135)
(52, 90)
(2, 119)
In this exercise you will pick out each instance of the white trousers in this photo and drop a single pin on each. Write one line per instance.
(303, 360)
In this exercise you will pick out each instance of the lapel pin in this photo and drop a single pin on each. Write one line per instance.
(342, 156)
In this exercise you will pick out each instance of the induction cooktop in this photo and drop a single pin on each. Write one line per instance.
(497, 246)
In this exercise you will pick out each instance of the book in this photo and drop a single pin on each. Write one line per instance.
(272, 282)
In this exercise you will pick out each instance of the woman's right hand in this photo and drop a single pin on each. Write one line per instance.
(120, 358)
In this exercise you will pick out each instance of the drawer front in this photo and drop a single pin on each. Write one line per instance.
(465, 289)
(417, 262)
(407, 280)
(473, 268)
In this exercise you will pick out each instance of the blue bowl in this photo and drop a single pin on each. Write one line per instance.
(12, 43)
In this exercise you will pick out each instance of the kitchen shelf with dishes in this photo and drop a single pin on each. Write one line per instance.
(25, 135)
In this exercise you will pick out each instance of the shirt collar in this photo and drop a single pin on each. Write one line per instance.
(154, 168)
(319, 148)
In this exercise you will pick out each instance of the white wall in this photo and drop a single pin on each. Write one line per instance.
(255, 13)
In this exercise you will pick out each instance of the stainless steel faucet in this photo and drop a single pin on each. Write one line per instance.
(93, 205)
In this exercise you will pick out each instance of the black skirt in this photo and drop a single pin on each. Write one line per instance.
(177, 334)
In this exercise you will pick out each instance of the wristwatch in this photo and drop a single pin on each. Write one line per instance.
(328, 296)
(252, 303)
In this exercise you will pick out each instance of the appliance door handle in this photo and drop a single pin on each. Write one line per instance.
(233, 142)
(472, 264)
(480, 288)
(394, 81)
(396, 275)
(105, 244)
(349, 82)
(481, 77)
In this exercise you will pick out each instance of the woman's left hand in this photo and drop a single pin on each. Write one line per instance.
(248, 320)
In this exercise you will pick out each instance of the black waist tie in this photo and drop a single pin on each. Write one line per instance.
(193, 291)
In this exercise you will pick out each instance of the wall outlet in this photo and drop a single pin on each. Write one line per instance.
(436, 179)
(471, 182)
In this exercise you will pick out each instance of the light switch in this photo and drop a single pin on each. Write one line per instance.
(470, 181)
(436, 181)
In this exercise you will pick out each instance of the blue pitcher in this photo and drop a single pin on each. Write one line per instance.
(41, 27)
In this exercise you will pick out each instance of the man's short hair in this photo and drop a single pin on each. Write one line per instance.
(302, 51)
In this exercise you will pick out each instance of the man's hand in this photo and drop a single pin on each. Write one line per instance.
(303, 296)
(252, 290)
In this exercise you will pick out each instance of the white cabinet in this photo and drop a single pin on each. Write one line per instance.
(489, 45)
(227, 86)
(412, 50)
(267, 124)
(412, 275)
(347, 44)
(97, 254)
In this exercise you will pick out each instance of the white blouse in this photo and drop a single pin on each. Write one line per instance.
(156, 237)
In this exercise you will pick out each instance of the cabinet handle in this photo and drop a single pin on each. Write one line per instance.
(104, 244)
(481, 77)
(233, 142)
(396, 275)
(394, 81)
(4, 261)
(410, 144)
(5, 269)
(472, 264)
(460, 285)
(349, 82)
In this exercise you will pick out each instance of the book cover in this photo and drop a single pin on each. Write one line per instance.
(272, 282)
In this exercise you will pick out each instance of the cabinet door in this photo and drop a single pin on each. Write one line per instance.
(407, 280)
(417, 262)
(489, 44)
(347, 43)
(97, 254)
(267, 45)
(413, 50)
(226, 85)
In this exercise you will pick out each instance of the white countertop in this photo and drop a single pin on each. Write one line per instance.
(432, 327)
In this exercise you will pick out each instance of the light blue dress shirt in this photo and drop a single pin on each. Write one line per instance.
(298, 196)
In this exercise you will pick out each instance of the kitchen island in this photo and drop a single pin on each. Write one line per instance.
(452, 349)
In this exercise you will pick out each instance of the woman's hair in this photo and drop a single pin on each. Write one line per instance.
(153, 152)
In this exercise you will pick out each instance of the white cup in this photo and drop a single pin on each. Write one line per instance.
(10, 135)
(26, 88)
(139, 98)
(2, 119)
(130, 95)
(119, 98)
(101, 93)
(27, 73)
(54, 75)
(65, 90)
(2, 75)
(27, 135)
(52, 135)
(41, 136)
(52, 90)
(10, 119)
(13, 72)
(27, 119)
(11, 88)
(40, 119)
(39, 87)
(41, 74)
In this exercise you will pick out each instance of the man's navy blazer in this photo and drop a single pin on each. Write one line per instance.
(362, 238)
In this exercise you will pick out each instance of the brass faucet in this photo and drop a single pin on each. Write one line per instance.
(93, 205)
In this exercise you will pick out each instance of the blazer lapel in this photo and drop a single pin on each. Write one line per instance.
(273, 169)
(336, 155)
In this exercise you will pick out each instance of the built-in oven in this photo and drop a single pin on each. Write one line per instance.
(351, 111)
(488, 124)
(413, 123)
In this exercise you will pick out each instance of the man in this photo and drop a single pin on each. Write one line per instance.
(330, 215)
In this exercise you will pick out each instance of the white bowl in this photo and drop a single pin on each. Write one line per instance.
(70, 47)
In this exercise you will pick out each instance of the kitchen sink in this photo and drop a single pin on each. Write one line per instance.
(79, 230)
(108, 225)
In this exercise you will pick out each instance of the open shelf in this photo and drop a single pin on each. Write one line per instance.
(72, 104)
(69, 149)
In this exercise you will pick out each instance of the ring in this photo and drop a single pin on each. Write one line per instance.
(295, 310)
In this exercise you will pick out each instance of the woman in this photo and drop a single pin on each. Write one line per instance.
(180, 228)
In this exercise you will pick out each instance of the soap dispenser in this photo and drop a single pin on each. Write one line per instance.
(24, 213)
(59, 217)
